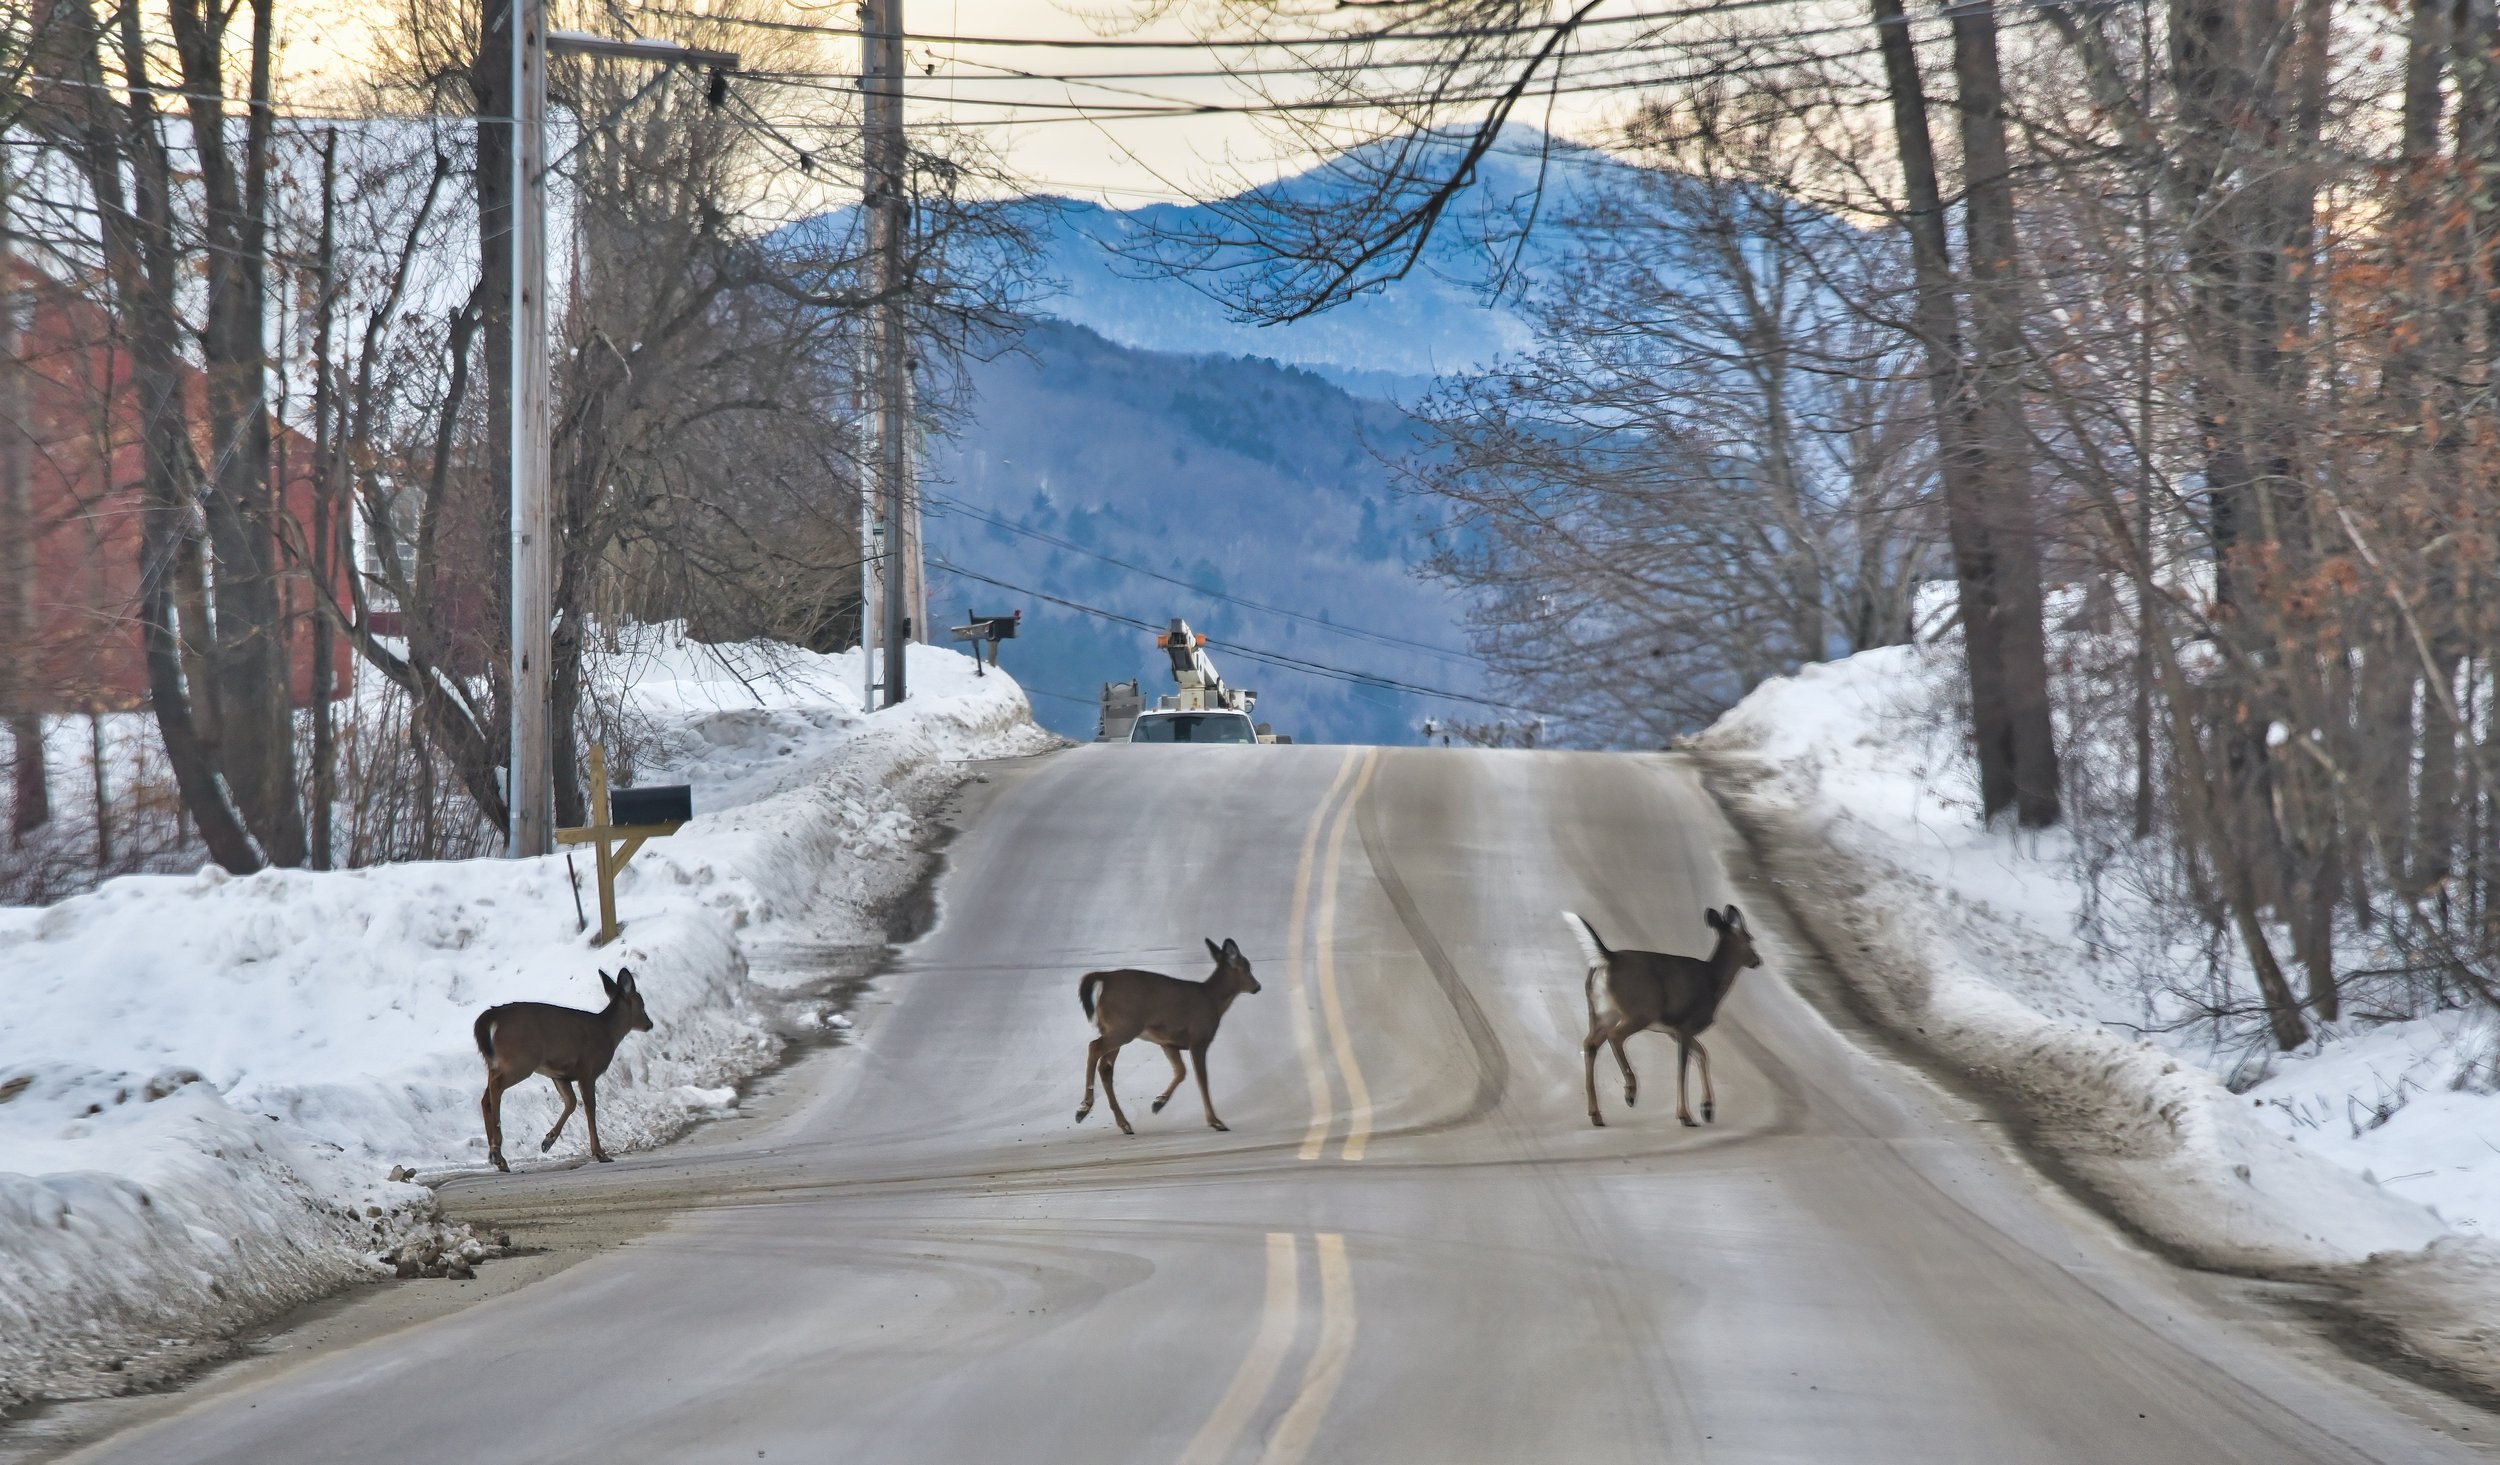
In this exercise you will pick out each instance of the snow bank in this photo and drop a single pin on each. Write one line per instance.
(207, 1083)
(2367, 1159)
(1975, 945)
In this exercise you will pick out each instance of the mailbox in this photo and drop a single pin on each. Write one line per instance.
(661, 803)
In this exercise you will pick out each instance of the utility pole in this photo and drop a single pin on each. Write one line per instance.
(529, 785)
(889, 224)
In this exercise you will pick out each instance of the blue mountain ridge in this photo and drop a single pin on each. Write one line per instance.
(1139, 422)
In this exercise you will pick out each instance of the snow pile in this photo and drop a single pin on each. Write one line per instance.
(2368, 1158)
(1975, 942)
(209, 1086)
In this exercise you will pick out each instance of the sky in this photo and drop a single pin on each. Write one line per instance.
(1066, 145)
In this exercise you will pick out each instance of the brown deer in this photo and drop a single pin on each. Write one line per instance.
(1170, 1012)
(568, 1045)
(1654, 989)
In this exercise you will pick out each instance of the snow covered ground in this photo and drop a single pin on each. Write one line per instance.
(208, 1085)
(2003, 954)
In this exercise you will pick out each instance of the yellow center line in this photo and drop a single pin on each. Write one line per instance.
(1326, 1370)
(1314, 1072)
(1358, 1094)
(1279, 1316)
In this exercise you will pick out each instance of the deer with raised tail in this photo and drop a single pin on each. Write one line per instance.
(1657, 989)
(568, 1045)
(1170, 1012)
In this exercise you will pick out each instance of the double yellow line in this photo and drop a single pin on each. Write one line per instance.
(1334, 815)
(1279, 1321)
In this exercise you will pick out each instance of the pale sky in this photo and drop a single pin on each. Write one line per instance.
(1082, 153)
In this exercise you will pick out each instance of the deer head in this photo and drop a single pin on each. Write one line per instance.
(1229, 962)
(1735, 948)
(625, 1000)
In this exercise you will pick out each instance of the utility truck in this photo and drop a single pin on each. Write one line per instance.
(1202, 710)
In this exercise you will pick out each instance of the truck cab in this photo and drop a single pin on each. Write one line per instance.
(1213, 725)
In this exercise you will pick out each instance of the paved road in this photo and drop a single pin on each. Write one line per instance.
(1411, 1246)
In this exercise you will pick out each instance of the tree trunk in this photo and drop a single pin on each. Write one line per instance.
(1996, 328)
(257, 748)
(30, 794)
(490, 83)
(1961, 461)
(137, 236)
(327, 458)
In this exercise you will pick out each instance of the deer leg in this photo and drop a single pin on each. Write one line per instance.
(1111, 1091)
(1709, 1097)
(564, 1086)
(1198, 1055)
(1683, 1060)
(1178, 1073)
(492, 1107)
(1631, 1080)
(590, 1116)
(1093, 1060)
(1588, 1053)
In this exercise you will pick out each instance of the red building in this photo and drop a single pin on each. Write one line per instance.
(82, 458)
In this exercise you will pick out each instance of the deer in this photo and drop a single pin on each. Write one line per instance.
(1173, 1013)
(568, 1045)
(1656, 989)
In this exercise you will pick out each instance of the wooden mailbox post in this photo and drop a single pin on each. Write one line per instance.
(650, 814)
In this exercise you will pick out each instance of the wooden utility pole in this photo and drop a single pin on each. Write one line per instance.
(889, 224)
(529, 788)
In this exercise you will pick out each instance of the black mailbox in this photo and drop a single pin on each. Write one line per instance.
(661, 803)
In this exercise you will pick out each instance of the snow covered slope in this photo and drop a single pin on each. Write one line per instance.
(2000, 954)
(207, 1083)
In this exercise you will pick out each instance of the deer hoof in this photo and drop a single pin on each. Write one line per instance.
(1219, 1124)
(1631, 1098)
(1124, 1129)
(1688, 1121)
(1597, 1119)
(546, 1144)
(1081, 1113)
(499, 1164)
(1709, 1113)
(603, 1157)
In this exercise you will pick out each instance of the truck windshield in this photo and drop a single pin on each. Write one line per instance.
(1194, 727)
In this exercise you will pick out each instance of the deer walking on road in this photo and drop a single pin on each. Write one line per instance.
(568, 1045)
(1170, 1012)
(1654, 989)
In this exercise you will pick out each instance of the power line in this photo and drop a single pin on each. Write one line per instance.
(1284, 43)
(1251, 653)
(959, 506)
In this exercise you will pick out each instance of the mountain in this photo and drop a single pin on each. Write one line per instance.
(1140, 424)
(1090, 468)
(1100, 266)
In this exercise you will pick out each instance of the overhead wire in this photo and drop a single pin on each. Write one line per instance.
(1360, 633)
(1277, 659)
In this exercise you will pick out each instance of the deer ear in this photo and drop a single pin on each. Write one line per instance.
(625, 979)
(1232, 949)
(1735, 917)
(1716, 920)
(1214, 950)
(607, 983)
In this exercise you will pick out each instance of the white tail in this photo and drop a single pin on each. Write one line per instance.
(1591, 948)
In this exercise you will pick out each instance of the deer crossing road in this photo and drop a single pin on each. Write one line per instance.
(1411, 1247)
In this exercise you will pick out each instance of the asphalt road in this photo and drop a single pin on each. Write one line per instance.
(1410, 1247)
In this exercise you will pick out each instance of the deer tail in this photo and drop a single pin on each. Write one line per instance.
(1085, 991)
(1590, 947)
(485, 1031)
